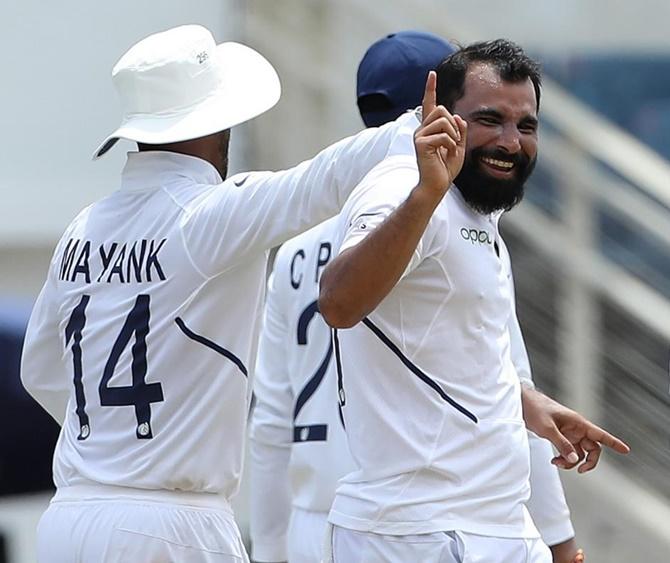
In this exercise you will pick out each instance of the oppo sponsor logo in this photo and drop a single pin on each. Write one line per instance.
(476, 236)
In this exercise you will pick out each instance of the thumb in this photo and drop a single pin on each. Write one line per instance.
(563, 445)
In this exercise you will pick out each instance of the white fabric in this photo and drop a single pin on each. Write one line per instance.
(282, 370)
(428, 462)
(547, 504)
(350, 546)
(116, 525)
(269, 500)
(187, 255)
(296, 457)
(179, 85)
(517, 344)
(306, 533)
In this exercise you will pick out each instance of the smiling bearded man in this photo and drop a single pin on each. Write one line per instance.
(431, 402)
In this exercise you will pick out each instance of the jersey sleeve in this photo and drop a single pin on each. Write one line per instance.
(271, 436)
(379, 194)
(42, 352)
(547, 504)
(518, 351)
(248, 214)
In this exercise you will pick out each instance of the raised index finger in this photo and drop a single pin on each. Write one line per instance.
(429, 96)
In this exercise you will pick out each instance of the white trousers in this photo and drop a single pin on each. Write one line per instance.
(350, 546)
(306, 533)
(119, 525)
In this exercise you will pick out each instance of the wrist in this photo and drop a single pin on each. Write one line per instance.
(427, 196)
(534, 406)
(564, 552)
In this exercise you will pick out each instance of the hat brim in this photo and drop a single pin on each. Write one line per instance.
(250, 87)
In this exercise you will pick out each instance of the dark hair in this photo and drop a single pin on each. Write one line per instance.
(510, 60)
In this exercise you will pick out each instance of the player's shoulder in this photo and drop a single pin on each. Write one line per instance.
(394, 168)
(79, 222)
(403, 129)
(391, 180)
(73, 231)
(196, 197)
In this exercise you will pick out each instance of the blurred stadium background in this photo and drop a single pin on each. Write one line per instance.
(590, 244)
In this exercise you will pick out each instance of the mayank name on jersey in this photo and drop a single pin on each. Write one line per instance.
(113, 262)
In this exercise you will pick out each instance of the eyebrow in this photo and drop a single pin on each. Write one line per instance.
(486, 112)
(490, 112)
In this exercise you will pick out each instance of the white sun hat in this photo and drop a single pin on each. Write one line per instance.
(179, 85)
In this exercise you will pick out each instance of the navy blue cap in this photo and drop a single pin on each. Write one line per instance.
(392, 75)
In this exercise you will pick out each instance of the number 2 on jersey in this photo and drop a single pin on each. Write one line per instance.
(140, 394)
(311, 432)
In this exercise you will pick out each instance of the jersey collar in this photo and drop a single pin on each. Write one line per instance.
(150, 169)
(493, 218)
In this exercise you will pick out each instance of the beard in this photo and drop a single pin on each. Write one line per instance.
(486, 194)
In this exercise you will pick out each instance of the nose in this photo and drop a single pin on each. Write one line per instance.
(510, 139)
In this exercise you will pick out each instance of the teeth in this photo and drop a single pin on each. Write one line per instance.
(499, 163)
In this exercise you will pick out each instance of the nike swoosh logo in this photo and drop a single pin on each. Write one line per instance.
(238, 183)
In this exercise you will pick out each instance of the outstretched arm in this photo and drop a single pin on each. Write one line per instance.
(252, 212)
(357, 280)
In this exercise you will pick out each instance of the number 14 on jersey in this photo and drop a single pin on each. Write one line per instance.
(139, 394)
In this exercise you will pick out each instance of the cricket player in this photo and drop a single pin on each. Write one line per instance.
(142, 341)
(421, 299)
(295, 466)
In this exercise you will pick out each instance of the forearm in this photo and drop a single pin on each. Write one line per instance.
(355, 282)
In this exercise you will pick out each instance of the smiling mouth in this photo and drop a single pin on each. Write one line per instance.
(498, 165)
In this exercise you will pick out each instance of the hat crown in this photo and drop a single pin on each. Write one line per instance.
(180, 85)
(394, 69)
(167, 72)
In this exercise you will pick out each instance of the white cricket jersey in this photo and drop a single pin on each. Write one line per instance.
(430, 396)
(144, 336)
(296, 431)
